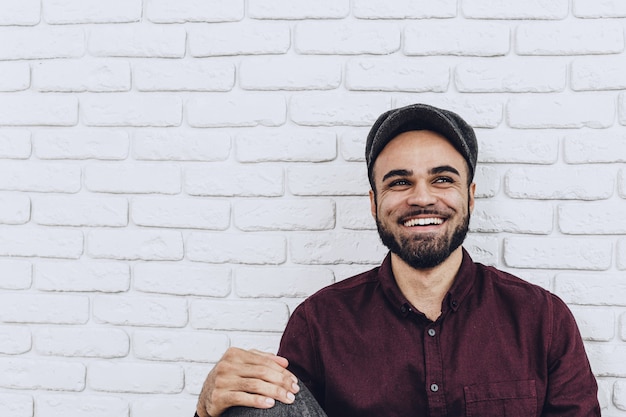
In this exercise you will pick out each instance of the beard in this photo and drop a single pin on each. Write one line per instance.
(425, 251)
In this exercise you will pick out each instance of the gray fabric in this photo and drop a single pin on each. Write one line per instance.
(305, 405)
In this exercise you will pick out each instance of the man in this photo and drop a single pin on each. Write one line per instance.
(429, 332)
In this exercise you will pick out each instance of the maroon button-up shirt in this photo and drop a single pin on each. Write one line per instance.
(501, 347)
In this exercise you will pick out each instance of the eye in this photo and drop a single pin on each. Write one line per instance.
(444, 180)
(399, 183)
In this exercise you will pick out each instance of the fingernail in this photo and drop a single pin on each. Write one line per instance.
(290, 396)
(295, 387)
(294, 379)
(269, 401)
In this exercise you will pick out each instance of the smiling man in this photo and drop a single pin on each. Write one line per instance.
(429, 332)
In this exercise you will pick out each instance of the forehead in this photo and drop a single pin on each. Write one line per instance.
(419, 149)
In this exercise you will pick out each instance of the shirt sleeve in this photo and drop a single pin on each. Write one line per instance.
(572, 389)
(302, 353)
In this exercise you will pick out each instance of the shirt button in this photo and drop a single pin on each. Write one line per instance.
(434, 387)
(431, 332)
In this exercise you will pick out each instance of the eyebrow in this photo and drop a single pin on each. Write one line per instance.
(433, 171)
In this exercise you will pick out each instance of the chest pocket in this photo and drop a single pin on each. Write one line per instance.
(501, 399)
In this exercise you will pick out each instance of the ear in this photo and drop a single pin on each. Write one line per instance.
(373, 203)
(471, 193)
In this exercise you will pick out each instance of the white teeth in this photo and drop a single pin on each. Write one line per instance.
(424, 222)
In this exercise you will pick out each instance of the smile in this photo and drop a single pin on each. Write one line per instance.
(428, 221)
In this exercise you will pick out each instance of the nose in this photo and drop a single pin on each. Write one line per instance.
(421, 195)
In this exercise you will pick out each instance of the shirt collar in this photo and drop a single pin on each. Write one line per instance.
(463, 283)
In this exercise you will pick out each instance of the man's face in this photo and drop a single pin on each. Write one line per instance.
(422, 201)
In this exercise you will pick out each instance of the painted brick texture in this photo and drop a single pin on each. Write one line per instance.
(176, 177)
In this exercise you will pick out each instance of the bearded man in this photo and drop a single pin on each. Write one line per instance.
(427, 333)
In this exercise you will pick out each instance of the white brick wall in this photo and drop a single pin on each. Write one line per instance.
(175, 177)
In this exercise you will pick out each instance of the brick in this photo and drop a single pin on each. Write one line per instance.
(82, 276)
(455, 38)
(607, 359)
(78, 76)
(487, 181)
(414, 75)
(45, 243)
(84, 405)
(137, 41)
(249, 38)
(478, 112)
(91, 11)
(34, 110)
(15, 75)
(597, 324)
(505, 75)
(82, 342)
(403, 9)
(80, 211)
(605, 146)
(353, 213)
(527, 217)
(510, 9)
(44, 308)
(558, 253)
(146, 245)
(140, 311)
(14, 340)
(138, 178)
(298, 9)
(595, 9)
(334, 110)
(518, 146)
(236, 248)
(41, 374)
(592, 219)
(14, 208)
(179, 346)
(605, 289)
(40, 177)
(236, 111)
(341, 38)
(42, 42)
(184, 76)
(569, 37)
(316, 180)
(137, 378)
(598, 73)
(15, 275)
(281, 282)
(289, 73)
(264, 342)
(229, 181)
(133, 110)
(565, 182)
(621, 254)
(166, 145)
(352, 144)
(15, 144)
(286, 146)
(605, 391)
(239, 315)
(20, 13)
(181, 213)
(102, 144)
(558, 111)
(619, 395)
(163, 408)
(182, 279)
(622, 326)
(622, 182)
(16, 405)
(194, 378)
(283, 214)
(335, 248)
(164, 11)
(621, 115)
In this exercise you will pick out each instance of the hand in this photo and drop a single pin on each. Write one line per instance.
(248, 378)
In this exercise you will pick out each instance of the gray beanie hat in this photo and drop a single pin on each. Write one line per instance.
(421, 117)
